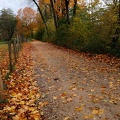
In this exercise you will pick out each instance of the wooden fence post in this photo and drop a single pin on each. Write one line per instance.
(16, 48)
(1, 89)
(10, 56)
(15, 52)
(18, 45)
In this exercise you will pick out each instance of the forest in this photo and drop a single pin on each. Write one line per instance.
(88, 26)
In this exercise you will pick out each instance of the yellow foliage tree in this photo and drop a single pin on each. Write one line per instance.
(26, 22)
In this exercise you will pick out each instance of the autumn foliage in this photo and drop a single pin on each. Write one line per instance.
(22, 91)
(26, 22)
(86, 27)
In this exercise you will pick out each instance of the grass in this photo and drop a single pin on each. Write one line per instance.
(3, 45)
(4, 55)
(3, 50)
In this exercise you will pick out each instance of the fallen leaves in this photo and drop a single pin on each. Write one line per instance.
(88, 84)
(88, 116)
(63, 95)
(84, 81)
(22, 90)
(42, 104)
(98, 111)
(66, 118)
(69, 100)
(111, 60)
(55, 97)
(78, 109)
(93, 113)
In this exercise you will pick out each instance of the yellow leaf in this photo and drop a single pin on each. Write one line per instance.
(31, 109)
(74, 95)
(95, 112)
(35, 112)
(21, 111)
(96, 100)
(111, 85)
(92, 90)
(19, 94)
(38, 95)
(78, 109)
(113, 101)
(12, 113)
(16, 117)
(63, 95)
(22, 102)
(13, 94)
(54, 97)
(64, 101)
(88, 116)
(66, 118)
(101, 111)
(10, 109)
(25, 107)
(36, 116)
(47, 1)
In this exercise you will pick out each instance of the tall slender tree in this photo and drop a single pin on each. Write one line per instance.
(74, 8)
(54, 14)
(42, 16)
(67, 10)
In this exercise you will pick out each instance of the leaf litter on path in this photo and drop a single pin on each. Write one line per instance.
(92, 84)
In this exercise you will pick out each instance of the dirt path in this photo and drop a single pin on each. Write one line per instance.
(74, 87)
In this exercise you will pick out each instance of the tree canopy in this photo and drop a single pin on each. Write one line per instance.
(85, 26)
(26, 22)
(7, 24)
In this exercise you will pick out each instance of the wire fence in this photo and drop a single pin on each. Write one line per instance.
(14, 47)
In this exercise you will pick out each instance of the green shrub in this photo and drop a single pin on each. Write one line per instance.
(39, 34)
(62, 34)
(85, 34)
(51, 30)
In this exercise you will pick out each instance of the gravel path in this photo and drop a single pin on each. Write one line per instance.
(75, 87)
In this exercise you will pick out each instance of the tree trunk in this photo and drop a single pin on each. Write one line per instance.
(41, 16)
(74, 8)
(119, 13)
(54, 15)
(115, 39)
(67, 11)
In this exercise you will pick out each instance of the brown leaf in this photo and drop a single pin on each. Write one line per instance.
(66, 118)
(69, 99)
